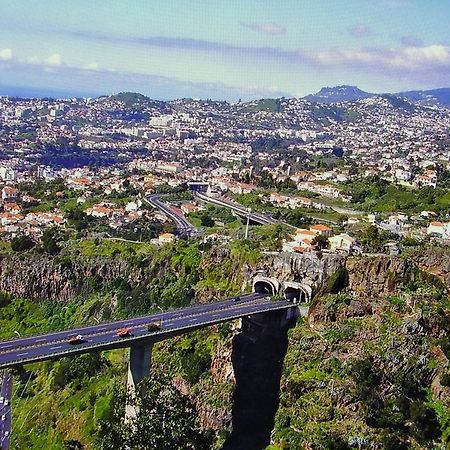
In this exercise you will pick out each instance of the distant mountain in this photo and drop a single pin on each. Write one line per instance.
(431, 97)
(338, 94)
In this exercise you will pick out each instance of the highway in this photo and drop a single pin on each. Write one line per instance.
(262, 219)
(183, 225)
(104, 336)
(5, 410)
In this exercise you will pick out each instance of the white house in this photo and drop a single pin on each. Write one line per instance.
(341, 242)
(166, 238)
(436, 228)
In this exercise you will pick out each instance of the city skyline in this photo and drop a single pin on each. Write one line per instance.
(222, 50)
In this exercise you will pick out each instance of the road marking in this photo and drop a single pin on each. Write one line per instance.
(41, 340)
(55, 348)
(22, 354)
(194, 319)
(6, 346)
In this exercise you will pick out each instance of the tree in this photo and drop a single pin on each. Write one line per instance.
(77, 218)
(22, 243)
(374, 240)
(206, 221)
(320, 242)
(166, 421)
(50, 241)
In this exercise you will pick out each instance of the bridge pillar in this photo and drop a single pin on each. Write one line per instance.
(139, 366)
(258, 356)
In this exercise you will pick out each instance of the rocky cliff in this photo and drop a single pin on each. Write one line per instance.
(311, 269)
(435, 261)
(43, 277)
(39, 276)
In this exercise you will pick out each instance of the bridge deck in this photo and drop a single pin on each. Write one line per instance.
(103, 336)
(262, 219)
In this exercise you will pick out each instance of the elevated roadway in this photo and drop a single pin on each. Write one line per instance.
(184, 227)
(104, 336)
(240, 210)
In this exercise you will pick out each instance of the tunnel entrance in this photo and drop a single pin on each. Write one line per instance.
(294, 295)
(262, 287)
(296, 292)
(268, 286)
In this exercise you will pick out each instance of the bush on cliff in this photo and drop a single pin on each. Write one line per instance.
(22, 243)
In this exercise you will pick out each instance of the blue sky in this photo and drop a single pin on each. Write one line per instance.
(224, 49)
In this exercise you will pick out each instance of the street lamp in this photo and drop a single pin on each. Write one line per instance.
(248, 222)
(162, 313)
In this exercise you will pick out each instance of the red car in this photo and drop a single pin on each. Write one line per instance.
(123, 332)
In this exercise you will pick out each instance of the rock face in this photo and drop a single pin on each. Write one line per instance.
(375, 276)
(221, 367)
(435, 261)
(310, 269)
(44, 277)
(211, 418)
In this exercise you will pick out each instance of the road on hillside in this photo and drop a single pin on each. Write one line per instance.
(184, 227)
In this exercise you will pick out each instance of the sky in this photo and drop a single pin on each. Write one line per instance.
(221, 49)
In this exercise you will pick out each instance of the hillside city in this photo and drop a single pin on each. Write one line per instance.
(360, 175)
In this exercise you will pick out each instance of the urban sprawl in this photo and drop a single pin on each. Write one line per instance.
(339, 176)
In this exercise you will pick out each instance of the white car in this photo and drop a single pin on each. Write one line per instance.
(6, 433)
(4, 417)
(2, 399)
(6, 402)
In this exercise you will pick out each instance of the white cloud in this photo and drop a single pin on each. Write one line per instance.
(92, 66)
(411, 59)
(267, 27)
(6, 54)
(54, 60)
(431, 54)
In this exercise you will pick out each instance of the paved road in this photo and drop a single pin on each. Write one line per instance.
(347, 211)
(262, 219)
(183, 225)
(5, 411)
(104, 336)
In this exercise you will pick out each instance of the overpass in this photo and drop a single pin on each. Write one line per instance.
(140, 337)
(184, 227)
(240, 210)
(103, 336)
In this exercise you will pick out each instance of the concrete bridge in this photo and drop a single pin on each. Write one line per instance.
(271, 298)
(262, 219)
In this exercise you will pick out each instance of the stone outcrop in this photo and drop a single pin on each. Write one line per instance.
(44, 277)
(211, 418)
(311, 269)
(435, 261)
(375, 276)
